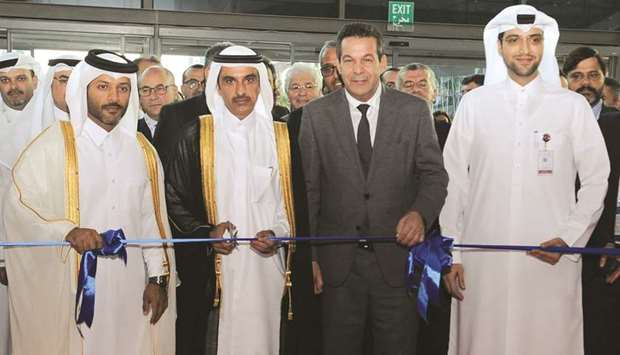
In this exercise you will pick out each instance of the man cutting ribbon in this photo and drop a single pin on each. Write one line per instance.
(75, 180)
(514, 150)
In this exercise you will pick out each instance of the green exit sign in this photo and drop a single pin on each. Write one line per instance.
(400, 15)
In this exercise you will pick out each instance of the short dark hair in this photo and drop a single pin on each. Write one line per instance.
(150, 58)
(614, 85)
(394, 69)
(475, 78)
(582, 53)
(192, 67)
(215, 50)
(360, 30)
(327, 45)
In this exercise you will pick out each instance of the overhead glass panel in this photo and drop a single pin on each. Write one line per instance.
(136, 4)
(595, 14)
(307, 8)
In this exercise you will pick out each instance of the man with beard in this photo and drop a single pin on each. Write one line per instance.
(513, 152)
(328, 60)
(18, 124)
(231, 171)
(586, 71)
(77, 179)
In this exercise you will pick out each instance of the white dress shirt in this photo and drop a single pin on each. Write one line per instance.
(372, 114)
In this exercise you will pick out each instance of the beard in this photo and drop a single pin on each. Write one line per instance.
(16, 99)
(591, 94)
(520, 70)
(102, 115)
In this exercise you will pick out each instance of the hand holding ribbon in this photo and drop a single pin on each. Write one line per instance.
(432, 257)
(113, 245)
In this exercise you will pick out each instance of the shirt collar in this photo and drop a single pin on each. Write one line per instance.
(527, 88)
(373, 102)
(149, 121)
(597, 108)
(96, 133)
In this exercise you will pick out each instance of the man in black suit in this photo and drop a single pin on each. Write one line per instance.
(372, 167)
(585, 70)
(156, 89)
(174, 117)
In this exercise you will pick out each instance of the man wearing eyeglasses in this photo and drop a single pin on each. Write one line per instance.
(193, 81)
(419, 80)
(585, 70)
(328, 60)
(156, 88)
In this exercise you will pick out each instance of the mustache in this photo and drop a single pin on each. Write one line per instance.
(15, 92)
(112, 106)
(238, 99)
(587, 88)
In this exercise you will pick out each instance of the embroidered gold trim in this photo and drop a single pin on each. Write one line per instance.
(207, 170)
(150, 157)
(72, 189)
(283, 147)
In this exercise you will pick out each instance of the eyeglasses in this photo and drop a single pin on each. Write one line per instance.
(297, 87)
(62, 79)
(193, 83)
(592, 76)
(327, 69)
(159, 90)
(412, 84)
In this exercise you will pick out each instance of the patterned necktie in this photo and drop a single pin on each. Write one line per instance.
(364, 147)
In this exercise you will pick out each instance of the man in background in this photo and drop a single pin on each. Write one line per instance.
(157, 89)
(193, 81)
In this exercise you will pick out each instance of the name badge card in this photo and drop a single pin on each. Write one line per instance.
(545, 157)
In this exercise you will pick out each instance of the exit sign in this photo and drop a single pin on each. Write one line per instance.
(400, 16)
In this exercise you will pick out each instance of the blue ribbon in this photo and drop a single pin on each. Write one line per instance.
(432, 257)
(114, 244)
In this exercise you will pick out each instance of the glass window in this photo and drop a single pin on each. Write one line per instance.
(579, 14)
(307, 8)
(107, 3)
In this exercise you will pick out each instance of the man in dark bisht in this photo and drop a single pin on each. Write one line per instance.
(173, 117)
(229, 173)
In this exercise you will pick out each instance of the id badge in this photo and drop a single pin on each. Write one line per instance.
(545, 162)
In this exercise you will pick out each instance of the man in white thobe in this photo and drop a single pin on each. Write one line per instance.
(516, 145)
(52, 101)
(18, 124)
(247, 194)
(75, 180)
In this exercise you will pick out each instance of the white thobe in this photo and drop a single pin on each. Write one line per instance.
(15, 133)
(515, 304)
(114, 193)
(248, 194)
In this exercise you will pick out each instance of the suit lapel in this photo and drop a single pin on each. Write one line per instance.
(344, 129)
(386, 123)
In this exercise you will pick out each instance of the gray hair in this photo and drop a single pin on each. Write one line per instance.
(417, 66)
(327, 45)
(168, 73)
(298, 68)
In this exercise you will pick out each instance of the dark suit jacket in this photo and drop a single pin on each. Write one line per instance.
(303, 333)
(144, 129)
(172, 118)
(609, 122)
(406, 173)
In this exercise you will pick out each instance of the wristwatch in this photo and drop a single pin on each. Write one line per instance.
(161, 281)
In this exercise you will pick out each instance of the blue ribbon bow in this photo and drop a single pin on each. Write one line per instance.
(432, 256)
(85, 297)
